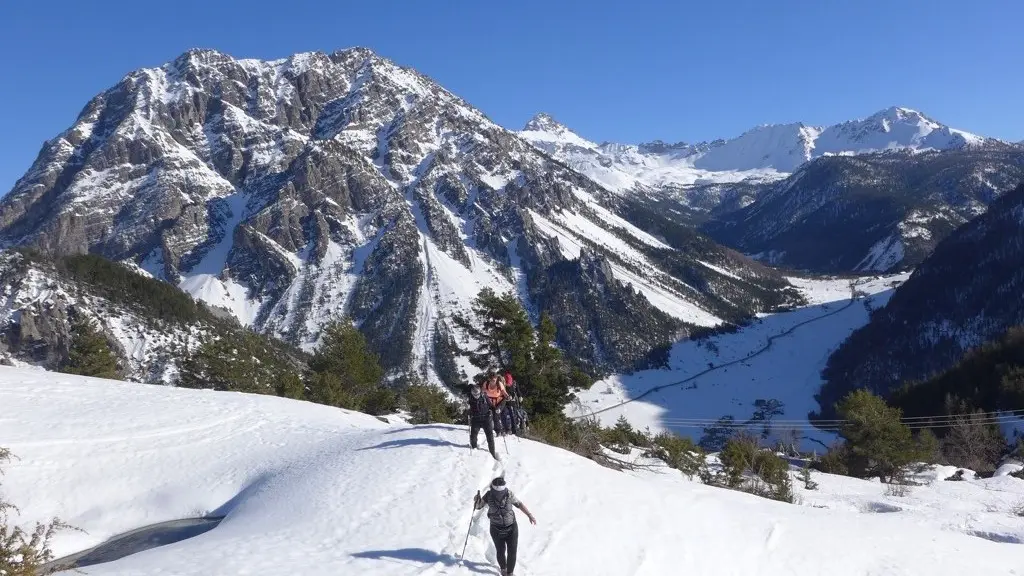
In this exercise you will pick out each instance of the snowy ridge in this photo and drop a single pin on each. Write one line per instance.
(309, 489)
(664, 292)
(761, 154)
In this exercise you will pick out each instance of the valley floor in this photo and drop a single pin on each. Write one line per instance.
(778, 357)
(307, 489)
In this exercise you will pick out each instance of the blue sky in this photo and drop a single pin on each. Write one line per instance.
(612, 70)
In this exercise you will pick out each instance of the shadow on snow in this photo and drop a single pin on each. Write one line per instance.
(422, 556)
(405, 442)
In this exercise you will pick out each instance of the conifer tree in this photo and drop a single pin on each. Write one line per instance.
(344, 371)
(241, 363)
(90, 354)
(508, 341)
(878, 442)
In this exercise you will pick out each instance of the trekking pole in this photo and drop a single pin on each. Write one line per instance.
(472, 517)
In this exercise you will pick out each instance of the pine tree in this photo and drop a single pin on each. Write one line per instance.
(878, 442)
(291, 386)
(90, 354)
(344, 371)
(242, 362)
(326, 388)
(508, 341)
(805, 477)
(503, 329)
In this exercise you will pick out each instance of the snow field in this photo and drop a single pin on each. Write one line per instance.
(309, 489)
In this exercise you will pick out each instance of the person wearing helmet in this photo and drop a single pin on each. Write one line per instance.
(504, 529)
(480, 417)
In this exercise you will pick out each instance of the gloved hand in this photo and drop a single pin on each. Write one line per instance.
(476, 500)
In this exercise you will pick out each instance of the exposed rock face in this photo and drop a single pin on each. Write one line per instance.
(294, 191)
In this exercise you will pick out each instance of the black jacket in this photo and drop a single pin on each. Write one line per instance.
(479, 407)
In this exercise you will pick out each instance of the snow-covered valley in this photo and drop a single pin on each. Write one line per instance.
(308, 489)
(780, 357)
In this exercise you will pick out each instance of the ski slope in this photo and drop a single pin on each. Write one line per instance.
(308, 489)
(778, 357)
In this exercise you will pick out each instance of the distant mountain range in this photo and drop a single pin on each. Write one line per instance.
(764, 152)
(869, 213)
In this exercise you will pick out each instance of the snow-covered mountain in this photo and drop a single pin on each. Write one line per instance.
(296, 190)
(644, 167)
(762, 153)
(967, 293)
(869, 213)
(308, 489)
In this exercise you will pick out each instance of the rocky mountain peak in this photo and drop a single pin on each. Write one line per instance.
(292, 192)
(543, 122)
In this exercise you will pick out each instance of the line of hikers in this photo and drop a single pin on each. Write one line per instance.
(495, 407)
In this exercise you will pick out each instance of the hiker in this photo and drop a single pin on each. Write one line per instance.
(510, 414)
(504, 529)
(496, 396)
(480, 417)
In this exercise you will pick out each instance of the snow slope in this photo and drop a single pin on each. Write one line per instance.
(309, 490)
(725, 374)
(765, 152)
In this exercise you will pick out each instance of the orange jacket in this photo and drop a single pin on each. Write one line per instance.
(495, 393)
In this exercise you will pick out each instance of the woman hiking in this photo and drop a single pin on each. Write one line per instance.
(496, 394)
(504, 529)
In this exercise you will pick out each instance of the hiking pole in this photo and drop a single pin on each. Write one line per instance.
(472, 517)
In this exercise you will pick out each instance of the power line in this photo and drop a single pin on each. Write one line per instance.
(949, 418)
(800, 426)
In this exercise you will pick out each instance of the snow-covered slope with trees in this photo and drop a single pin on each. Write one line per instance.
(764, 152)
(308, 489)
(967, 293)
(148, 327)
(292, 191)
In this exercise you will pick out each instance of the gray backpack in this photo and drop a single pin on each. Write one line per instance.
(499, 509)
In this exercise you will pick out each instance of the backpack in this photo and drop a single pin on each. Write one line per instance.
(500, 510)
(494, 393)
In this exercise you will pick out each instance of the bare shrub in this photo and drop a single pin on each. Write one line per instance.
(23, 553)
